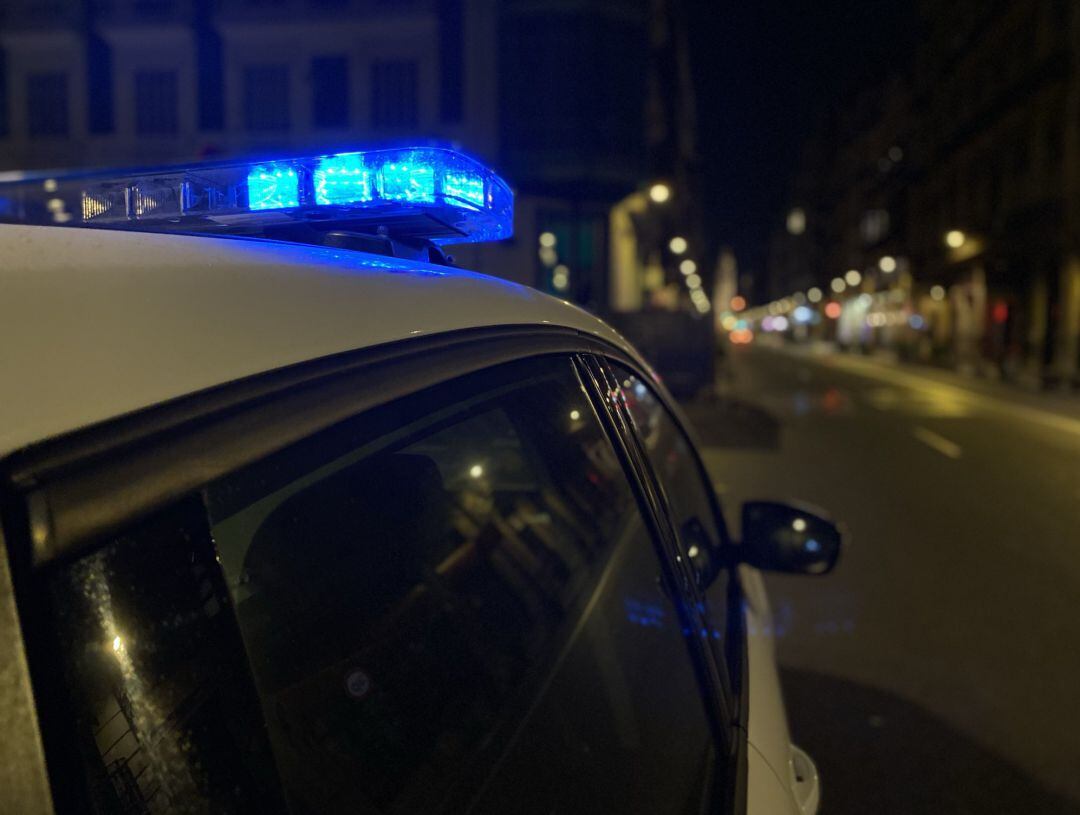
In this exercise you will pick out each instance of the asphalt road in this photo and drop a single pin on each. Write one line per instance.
(938, 669)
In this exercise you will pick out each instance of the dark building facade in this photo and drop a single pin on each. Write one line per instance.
(960, 176)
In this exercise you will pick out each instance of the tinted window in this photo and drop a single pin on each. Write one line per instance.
(453, 602)
(165, 715)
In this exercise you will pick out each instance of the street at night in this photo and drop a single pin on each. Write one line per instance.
(935, 670)
(532, 407)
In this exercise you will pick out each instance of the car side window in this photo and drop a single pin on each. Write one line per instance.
(688, 493)
(452, 603)
(162, 709)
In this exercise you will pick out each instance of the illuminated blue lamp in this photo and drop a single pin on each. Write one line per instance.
(419, 194)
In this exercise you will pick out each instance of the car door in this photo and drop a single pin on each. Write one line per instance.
(439, 596)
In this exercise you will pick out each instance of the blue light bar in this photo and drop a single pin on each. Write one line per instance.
(419, 194)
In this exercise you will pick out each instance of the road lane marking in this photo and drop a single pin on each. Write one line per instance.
(939, 443)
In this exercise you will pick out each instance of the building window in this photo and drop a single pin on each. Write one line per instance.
(210, 79)
(47, 104)
(3, 96)
(156, 103)
(393, 94)
(451, 60)
(330, 91)
(266, 97)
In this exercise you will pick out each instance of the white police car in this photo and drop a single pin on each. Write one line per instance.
(295, 520)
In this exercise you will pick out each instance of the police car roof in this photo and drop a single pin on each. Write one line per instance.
(98, 323)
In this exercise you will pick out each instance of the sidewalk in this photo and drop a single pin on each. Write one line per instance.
(882, 366)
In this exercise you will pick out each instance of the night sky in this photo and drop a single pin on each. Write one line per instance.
(766, 73)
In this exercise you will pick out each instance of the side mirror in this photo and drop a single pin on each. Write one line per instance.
(786, 538)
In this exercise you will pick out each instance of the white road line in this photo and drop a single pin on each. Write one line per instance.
(939, 443)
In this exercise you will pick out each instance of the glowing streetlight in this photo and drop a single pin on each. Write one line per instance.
(547, 239)
(677, 245)
(887, 264)
(814, 295)
(796, 221)
(660, 193)
(853, 278)
(688, 267)
(954, 238)
(693, 281)
(838, 284)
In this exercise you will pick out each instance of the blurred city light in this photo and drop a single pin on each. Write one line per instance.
(838, 284)
(728, 322)
(560, 278)
(688, 267)
(677, 245)
(832, 310)
(780, 323)
(547, 239)
(796, 221)
(693, 281)
(954, 238)
(660, 193)
(887, 264)
(896, 154)
(814, 295)
(916, 321)
(937, 292)
(738, 303)
(802, 314)
(853, 277)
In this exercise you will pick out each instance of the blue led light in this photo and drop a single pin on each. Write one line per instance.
(407, 181)
(342, 180)
(460, 188)
(273, 186)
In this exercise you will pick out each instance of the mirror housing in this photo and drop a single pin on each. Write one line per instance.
(788, 538)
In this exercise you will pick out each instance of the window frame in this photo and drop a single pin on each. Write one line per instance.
(63, 498)
(734, 688)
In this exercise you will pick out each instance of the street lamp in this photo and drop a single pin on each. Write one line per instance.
(796, 221)
(677, 245)
(887, 264)
(660, 193)
(954, 238)
(853, 278)
(688, 267)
